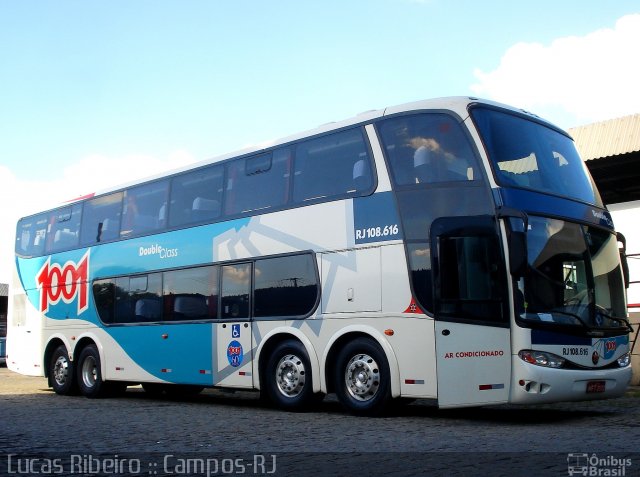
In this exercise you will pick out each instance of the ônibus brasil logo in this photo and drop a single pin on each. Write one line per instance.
(57, 283)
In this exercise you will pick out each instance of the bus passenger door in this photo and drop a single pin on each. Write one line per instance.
(233, 355)
(473, 350)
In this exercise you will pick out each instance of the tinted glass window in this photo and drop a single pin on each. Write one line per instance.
(196, 196)
(419, 207)
(421, 275)
(144, 209)
(236, 286)
(428, 149)
(104, 293)
(191, 294)
(145, 293)
(129, 299)
(609, 286)
(64, 230)
(31, 235)
(471, 285)
(258, 182)
(101, 219)
(574, 277)
(436, 174)
(332, 166)
(285, 286)
(530, 155)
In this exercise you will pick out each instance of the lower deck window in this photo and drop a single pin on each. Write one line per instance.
(284, 286)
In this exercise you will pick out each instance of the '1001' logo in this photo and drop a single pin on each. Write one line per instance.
(64, 283)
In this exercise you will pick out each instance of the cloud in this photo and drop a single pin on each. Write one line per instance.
(90, 174)
(97, 172)
(591, 78)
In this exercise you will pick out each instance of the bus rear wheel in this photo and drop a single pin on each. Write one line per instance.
(89, 373)
(362, 380)
(287, 377)
(61, 374)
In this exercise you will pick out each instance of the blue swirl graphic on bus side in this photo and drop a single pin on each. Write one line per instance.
(178, 248)
(180, 348)
(178, 353)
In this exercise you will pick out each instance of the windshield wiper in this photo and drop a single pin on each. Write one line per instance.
(576, 316)
(620, 320)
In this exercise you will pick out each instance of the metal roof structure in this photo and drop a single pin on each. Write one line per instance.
(611, 150)
(608, 138)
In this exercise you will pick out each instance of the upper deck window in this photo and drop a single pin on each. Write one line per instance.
(144, 209)
(332, 166)
(64, 228)
(428, 149)
(321, 168)
(196, 196)
(529, 155)
(31, 235)
(258, 183)
(101, 221)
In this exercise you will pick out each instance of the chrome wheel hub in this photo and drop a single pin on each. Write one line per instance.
(61, 370)
(89, 372)
(362, 377)
(290, 375)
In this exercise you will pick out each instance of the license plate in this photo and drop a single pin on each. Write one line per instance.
(595, 387)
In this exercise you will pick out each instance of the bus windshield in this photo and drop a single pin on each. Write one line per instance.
(526, 154)
(574, 277)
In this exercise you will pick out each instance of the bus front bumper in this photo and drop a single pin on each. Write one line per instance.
(533, 384)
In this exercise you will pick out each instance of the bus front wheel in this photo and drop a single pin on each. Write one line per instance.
(61, 375)
(362, 380)
(287, 376)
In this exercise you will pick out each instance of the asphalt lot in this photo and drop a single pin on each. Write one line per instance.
(237, 434)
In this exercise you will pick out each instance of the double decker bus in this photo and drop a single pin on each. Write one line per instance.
(453, 249)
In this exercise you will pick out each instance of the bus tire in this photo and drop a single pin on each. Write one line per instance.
(362, 381)
(287, 377)
(89, 375)
(62, 377)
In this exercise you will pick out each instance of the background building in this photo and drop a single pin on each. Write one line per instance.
(611, 150)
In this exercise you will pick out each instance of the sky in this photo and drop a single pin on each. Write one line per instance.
(95, 94)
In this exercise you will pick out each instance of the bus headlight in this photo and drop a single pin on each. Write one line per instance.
(624, 360)
(541, 358)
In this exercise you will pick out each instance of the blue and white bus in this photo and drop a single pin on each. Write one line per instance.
(453, 249)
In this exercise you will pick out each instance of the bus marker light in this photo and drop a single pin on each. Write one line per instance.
(389, 332)
(165, 336)
(414, 381)
(165, 370)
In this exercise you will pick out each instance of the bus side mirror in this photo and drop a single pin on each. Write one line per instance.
(622, 249)
(518, 224)
(517, 253)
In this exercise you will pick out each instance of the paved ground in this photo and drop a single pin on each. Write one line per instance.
(160, 435)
